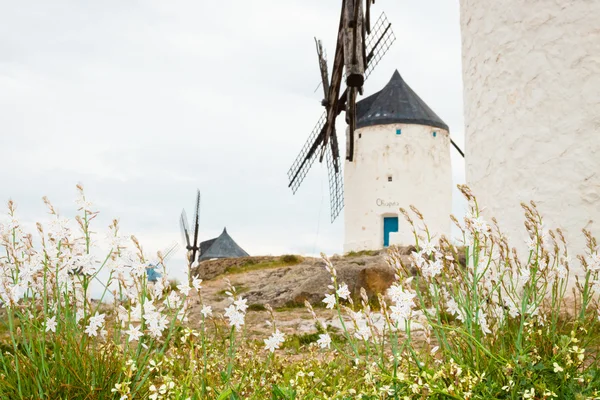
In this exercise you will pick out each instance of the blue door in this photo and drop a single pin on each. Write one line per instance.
(390, 224)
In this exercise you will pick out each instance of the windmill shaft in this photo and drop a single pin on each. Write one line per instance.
(457, 148)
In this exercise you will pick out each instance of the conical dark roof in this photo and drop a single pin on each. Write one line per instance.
(396, 103)
(222, 247)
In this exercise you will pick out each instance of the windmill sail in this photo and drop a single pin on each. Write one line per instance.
(196, 226)
(376, 41)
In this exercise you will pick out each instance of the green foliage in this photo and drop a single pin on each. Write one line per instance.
(478, 325)
(361, 253)
(254, 264)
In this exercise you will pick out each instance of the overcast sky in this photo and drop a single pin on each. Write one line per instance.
(145, 101)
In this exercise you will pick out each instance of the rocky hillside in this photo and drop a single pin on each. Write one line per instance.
(288, 281)
(285, 282)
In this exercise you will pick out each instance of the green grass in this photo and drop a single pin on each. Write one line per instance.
(254, 265)
(361, 253)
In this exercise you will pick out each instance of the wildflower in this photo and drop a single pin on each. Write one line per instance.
(51, 324)
(324, 341)
(529, 394)
(594, 262)
(240, 305)
(236, 317)
(387, 390)
(483, 324)
(399, 296)
(196, 283)
(480, 226)
(432, 268)
(134, 333)
(274, 341)
(206, 311)
(329, 300)
(95, 323)
(173, 299)
(557, 368)
(343, 291)
(184, 288)
(363, 332)
(428, 247)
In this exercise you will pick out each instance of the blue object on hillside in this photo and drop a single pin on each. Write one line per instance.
(153, 275)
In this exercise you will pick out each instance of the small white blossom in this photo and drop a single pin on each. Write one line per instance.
(343, 292)
(134, 333)
(324, 341)
(206, 311)
(196, 283)
(273, 342)
(329, 300)
(51, 324)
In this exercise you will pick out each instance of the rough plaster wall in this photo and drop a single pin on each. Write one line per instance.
(420, 168)
(531, 71)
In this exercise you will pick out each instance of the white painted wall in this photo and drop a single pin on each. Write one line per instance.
(421, 175)
(531, 71)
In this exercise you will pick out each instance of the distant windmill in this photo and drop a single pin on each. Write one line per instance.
(358, 50)
(191, 245)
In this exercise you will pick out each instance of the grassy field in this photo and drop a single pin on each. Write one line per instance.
(491, 327)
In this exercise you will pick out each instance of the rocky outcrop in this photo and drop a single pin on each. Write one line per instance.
(264, 280)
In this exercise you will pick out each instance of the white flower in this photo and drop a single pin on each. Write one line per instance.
(95, 323)
(594, 262)
(273, 342)
(173, 299)
(428, 247)
(91, 330)
(134, 333)
(453, 308)
(196, 283)
(237, 320)
(184, 288)
(363, 332)
(432, 268)
(324, 341)
(343, 291)
(417, 259)
(400, 297)
(483, 324)
(240, 305)
(236, 317)
(480, 225)
(529, 394)
(329, 300)
(206, 311)
(557, 368)
(51, 324)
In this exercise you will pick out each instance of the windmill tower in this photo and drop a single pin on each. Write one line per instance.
(401, 158)
(531, 72)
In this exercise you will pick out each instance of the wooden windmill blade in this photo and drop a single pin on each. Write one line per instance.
(368, 17)
(336, 185)
(196, 226)
(323, 68)
(335, 85)
(185, 230)
(307, 155)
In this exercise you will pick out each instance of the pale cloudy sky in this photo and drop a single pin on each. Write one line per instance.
(145, 101)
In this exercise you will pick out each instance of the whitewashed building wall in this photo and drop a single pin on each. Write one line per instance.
(418, 164)
(531, 71)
